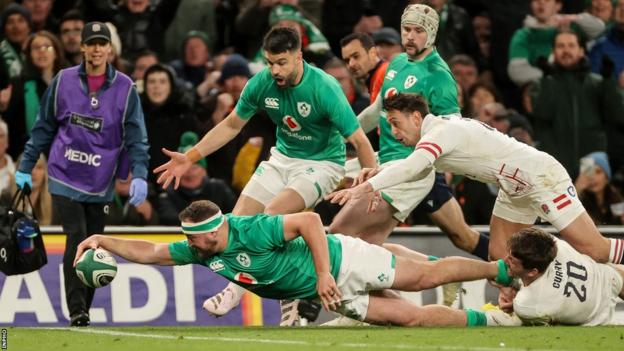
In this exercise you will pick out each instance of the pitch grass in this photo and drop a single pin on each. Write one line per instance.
(315, 338)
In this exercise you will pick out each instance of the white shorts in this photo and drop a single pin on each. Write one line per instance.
(364, 267)
(551, 196)
(611, 287)
(312, 180)
(405, 197)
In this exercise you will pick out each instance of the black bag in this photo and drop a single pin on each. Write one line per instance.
(12, 259)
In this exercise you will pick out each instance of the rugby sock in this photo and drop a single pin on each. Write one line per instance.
(432, 258)
(475, 318)
(481, 250)
(616, 252)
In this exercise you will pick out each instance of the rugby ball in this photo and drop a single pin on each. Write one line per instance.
(96, 268)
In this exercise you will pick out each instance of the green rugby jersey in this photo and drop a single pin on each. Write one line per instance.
(311, 118)
(431, 78)
(259, 259)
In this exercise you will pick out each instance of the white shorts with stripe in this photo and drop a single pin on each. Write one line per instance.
(312, 180)
(548, 193)
(365, 267)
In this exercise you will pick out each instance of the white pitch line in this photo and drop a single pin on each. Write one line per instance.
(290, 342)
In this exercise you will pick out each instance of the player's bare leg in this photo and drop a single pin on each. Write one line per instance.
(583, 235)
(450, 219)
(400, 250)
(247, 206)
(500, 232)
(373, 227)
(286, 201)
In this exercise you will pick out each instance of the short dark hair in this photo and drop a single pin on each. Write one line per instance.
(71, 15)
(462, 59)
(407, 103)
(198, 211)
(365, 39)
(580, 39)
(281, 39)
(534, 247)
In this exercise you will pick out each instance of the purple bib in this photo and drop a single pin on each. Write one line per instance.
(85, 152)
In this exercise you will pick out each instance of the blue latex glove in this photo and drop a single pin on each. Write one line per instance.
(22, 179)
(138, 191)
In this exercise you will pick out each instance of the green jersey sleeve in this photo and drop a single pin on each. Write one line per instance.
(519, 47)
(182, 254)
(338, 109)
(247, 104)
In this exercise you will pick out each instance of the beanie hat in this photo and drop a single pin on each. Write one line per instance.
(601, 159)
(235, 65)
(196, 34)
(285, 12)
(12, 9)
(187, 141)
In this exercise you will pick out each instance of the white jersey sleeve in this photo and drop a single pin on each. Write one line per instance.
(436, 140)
(574, 290)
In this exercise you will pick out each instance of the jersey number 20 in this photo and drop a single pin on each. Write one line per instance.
(579, 272)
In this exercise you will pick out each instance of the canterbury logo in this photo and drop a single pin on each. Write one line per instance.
(271, 102)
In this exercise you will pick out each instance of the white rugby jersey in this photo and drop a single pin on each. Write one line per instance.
(573, 290)
(476, 150)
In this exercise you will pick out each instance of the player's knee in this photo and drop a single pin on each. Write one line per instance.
(414, 319)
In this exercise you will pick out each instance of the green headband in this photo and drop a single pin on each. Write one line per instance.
(207, 225)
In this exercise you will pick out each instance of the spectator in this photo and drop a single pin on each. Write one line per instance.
(194, 185)
(464, 70)
(70, 28)
(16, 27)
(42, 18)
(219, 103)
(603, 201)
(479, 95)
(602, 9)
(611, 47)
(534, 42)
(40, 198)
(144, 60)
(314, 45)
(520, 128)
(482, 31)
(191, 15)
(337, 69)
(388, 43)
(141, 25)
(168, 114)
(455, 33)
(192, 66)
(7, 167)
(44, 59)
(572, 107)
(121, 212)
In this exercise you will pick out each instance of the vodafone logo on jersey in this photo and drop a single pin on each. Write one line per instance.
(390, 92)
(245, 278)
(291, 123)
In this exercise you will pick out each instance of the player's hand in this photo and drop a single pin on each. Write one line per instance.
(92, 242)
(174, 169)
(328, 291)
(365, 174)
(343, 196)
(505, 298)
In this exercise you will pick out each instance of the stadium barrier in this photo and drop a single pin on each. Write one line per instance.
(150, 295)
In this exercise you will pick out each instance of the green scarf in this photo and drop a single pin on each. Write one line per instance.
(12, 59)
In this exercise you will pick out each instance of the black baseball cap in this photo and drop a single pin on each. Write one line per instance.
(387, 35)
(95, 30)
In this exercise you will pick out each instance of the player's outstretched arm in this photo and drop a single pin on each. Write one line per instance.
(369, 117)
(221, 134)
(310, 227)
(138, 251)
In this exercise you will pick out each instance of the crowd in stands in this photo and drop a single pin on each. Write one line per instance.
(549, 73)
